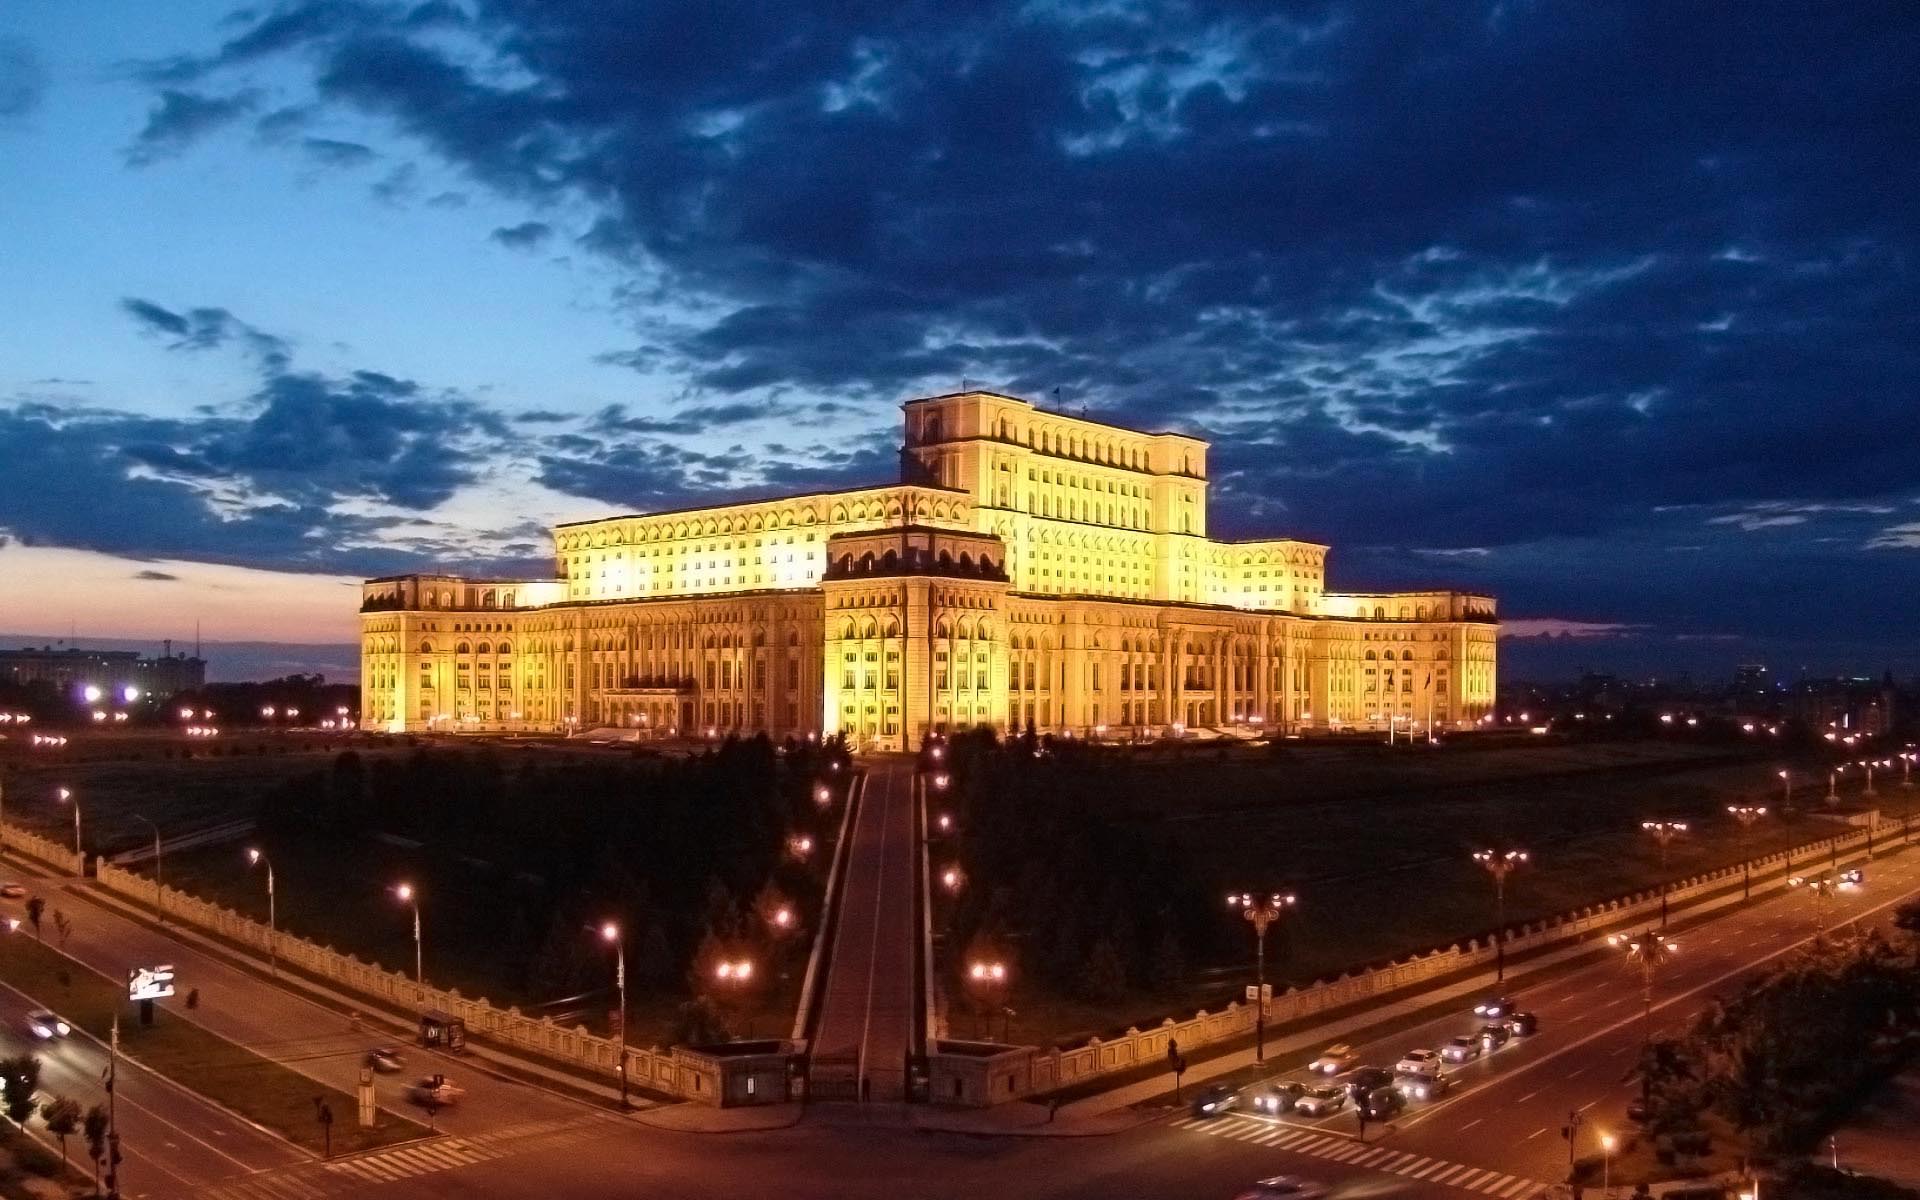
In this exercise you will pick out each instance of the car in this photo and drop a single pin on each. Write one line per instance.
(1423, 1087)
(1494, 1036)
(45, 1026)
(1284, 1187)
(1637, 1111)
(1852, 877)
(386, 1059)
(1419, 1062)
(1215, 1101)
(13, 891)
(1276, 1098)
(1362, 1080)
(436, 1090)
(1320, 1101)
(1523, 1024)
(1381, 1102)
(1462, 1049)
(1333, 1060)
(1495, 1007)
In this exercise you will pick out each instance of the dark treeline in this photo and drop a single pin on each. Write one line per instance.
(687, 853)
(1086, 896)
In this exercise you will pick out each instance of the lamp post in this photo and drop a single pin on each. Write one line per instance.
(1260, 912)
(159, 911)
(66, 797)
(1822, 891)
(1649, 951)
(1906, 768)
(610, 933)
(1746, 814)
(1606, 1164)
(736, 974)
(988, 977)
(1500, 864)
(411, 898)
(1833, 783)
(1867, 765)
(256, 858)
(1786, 785)
(1664, 832)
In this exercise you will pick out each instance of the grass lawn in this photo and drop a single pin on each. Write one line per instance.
(30, 1171)
(1378, 847)
(262, 1090)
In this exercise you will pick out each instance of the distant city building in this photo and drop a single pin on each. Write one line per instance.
(1031, 570)
(74, 669)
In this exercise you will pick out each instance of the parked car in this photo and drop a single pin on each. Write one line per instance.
(13, 891)
(1462, 1049)
(1276, 1098)
(1362, 1080)
(386, 1059)
(1320, 1101)
(436, 1090)
(1419, 1062)
(45, 1026)
(1215, 1101)
(1523, 1024)
(1495, 1007)
(1494, 1036)
(1284, 1187)
(1423, 1087)
(1333, 1060)
(1381, 1102)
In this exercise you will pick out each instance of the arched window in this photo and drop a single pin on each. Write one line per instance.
(463, 648)
(426, 647)
(506, 647)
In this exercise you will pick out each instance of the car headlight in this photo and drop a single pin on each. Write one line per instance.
(1207, 1107)
(65, 1029)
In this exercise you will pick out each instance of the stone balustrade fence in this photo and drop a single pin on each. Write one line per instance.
(31, 844)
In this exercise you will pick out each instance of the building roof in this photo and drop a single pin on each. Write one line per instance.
(1052, 412)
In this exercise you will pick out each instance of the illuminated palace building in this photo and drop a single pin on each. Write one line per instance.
(1031, 570)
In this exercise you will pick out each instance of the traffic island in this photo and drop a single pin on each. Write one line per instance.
(258, 1089)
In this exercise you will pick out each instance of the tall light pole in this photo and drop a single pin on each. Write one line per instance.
(1649, 951)
(1746, 814)
(1822, 890)
(611, 934)
(1786, 784)
(1606, 1164)
(256, 858)
(988, 978)
(1664, 832)
(1867, 765)
(1833, 783)
(1906, 768)
(411, 897)
(1260, 912)
(66, 797)
(159, 910)
(1500, 864)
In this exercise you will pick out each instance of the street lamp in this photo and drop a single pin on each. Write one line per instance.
(159, 911)
(1664, 832)
(1746, 814)
(66, 797)
(1606, 1164)
(952, 879)
(1786, 784)
(1868, 765)
(1260, 912)
(1649, 951)
(256, 858)
(736, 974)
(1833, 783)
(1500, 864)
(411, 898)
(800, 846)
(610, 933)
(1822, 890)
(989, 977)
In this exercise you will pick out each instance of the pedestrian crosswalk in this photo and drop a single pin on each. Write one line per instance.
(1334, 1148)
(350, 1176)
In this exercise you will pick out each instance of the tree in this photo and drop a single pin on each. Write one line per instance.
(62, 927)
(698, 1023)
(1106, 974)
(36, 907)
(21, 1075)
(1168, 966)
(94, 1128)
(62, 1118)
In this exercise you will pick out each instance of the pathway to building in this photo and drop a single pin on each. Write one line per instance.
(867, 1012)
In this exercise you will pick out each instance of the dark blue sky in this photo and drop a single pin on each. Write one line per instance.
(1608, 309)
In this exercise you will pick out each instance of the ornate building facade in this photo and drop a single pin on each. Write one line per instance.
(1031, 569)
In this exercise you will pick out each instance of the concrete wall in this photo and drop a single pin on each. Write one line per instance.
(676, 1072)
(1052, 1069)
(54, 854)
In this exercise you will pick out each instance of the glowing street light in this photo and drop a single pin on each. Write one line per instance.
(1649, 951)
(67, 797)
(1607, 1144)
(1746, 814)
(1786, 784)
(91, 694)
(1500, 864)
(953, 880)
(1867, 765)
(800, 846)
(822, 796)
(411, 898)
(610, 933)
(989, 978)
(258, 858)
(1260, 912)
(1664, 832)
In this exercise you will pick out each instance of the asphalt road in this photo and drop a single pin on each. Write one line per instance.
(173, 1142)
(866, 1009)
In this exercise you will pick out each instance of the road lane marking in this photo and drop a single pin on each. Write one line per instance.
(1415, 1165)
(1536, 1133)
(1452, 1172)
(1471, 1124)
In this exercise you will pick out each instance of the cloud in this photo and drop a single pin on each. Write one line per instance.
(528, 235)
(156, 576)
(206, 329)
(180, 118)
(23, 81)
(331, 153)
(1556, 627)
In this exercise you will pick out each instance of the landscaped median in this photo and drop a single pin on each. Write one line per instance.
(257, 1088)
